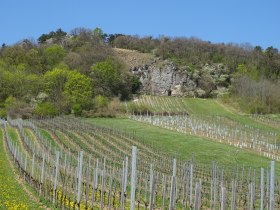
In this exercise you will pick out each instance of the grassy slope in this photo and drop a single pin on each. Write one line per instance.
(204, 149)
(204, 107)
(12, 195)
(213, 107)
(184, 146)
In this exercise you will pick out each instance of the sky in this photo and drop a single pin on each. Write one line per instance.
(219, 21)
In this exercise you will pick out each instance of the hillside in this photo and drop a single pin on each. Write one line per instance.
(163, 77)
(86, 72)
(248, 75)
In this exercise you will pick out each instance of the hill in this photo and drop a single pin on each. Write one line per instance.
(83, 71)
(160, 147)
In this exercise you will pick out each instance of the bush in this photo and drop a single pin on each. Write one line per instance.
(77, 109)
(3, 113)
(105, 108)
(16, 108)
(135, 84)
(46, 109)
(100, 102)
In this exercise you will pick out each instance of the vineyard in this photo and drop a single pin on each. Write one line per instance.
(73, 163)
(224, 128)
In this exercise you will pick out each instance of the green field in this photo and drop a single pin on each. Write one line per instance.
(12, 194)
(183, 146)
(203, 107)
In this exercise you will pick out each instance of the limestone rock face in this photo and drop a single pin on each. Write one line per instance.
(163, 78)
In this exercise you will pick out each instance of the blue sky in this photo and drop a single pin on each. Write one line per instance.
(238, 21)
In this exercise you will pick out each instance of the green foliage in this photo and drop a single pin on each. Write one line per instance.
(14, 56)
(98, 32)
(9, 102)
(135, 84)
(111, 79)
(46, 109)
(5, 90)
(53, 56)
(66, 87)
(28, 68)
(100, 102)
(3, 113)
(78, 89)
(193, 51)
(35, 61)
(241, 69)
(17, 108)
(107, 77)
(77, 109)
(102, 107)
(57, 36)
(54, 82)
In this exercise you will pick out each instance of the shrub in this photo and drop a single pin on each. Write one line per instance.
(46, 109)
(100, 102)
(3, 113)
(77, 109)
(16, 108)
(105, 108)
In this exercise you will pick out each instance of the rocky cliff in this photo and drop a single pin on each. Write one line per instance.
(163, 77)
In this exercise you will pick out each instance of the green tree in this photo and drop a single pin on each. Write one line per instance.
(53, 56)
(34, 61)
(14, 56)
(100, 102)
(46, 109)
(77, 109)
(107, 77)
(54, 82)
(98, 32)
(78, 89)
(9, 102)
(135, 84)
(5, 85)
(241, 69)
(57, 36)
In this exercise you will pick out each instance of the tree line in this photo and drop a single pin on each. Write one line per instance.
(61, 73)
(77, 72)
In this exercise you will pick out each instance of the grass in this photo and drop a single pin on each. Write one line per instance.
(204, 107)
(184, 146)
(12, 195)
(48, 136)
(214, 107)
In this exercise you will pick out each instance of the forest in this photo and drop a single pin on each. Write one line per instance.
(77, 72)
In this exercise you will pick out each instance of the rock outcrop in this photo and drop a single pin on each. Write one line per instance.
(164, 78)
